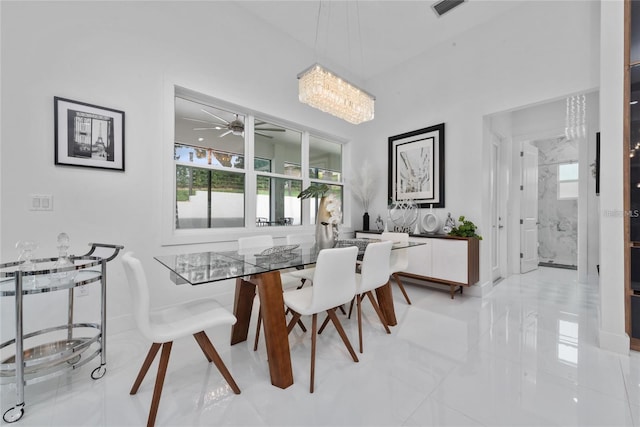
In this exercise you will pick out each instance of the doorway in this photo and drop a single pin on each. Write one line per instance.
(567, 204)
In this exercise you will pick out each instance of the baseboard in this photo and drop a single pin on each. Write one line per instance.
(618, 343)
(473, 290)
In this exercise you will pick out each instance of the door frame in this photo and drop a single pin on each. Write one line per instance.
(499, 175)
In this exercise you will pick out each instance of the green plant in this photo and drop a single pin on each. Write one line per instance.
(465, 229)
(314, 190)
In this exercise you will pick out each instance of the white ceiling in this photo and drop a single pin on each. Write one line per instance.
(367, 38)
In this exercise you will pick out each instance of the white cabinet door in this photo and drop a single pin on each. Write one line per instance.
(420, 258)
(449, 260)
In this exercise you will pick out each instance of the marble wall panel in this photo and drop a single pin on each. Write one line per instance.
(558, 219)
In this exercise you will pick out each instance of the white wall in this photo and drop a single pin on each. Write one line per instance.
(507, 63)
(612, 335)
(121, 54)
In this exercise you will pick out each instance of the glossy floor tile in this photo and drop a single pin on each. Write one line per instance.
(526, 354)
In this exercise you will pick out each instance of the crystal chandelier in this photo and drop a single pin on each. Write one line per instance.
(575, 126)
(324, 90)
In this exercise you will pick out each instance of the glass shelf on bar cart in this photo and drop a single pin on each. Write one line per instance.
(45, 278)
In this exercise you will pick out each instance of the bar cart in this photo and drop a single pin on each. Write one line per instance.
(54, 358)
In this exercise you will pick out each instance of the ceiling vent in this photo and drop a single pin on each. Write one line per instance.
(444, 6)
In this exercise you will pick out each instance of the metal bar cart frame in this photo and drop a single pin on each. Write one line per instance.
(55, 358)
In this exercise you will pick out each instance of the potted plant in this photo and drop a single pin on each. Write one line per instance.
(465, 229)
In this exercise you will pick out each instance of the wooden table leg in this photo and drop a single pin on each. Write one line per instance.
(385, 300)
(275, 327)
(242, 305)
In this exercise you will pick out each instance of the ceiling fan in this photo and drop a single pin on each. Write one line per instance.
(234, 127)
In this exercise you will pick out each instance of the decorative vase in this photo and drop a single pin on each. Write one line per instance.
(326, 232)
(403, 215)
(365, 221)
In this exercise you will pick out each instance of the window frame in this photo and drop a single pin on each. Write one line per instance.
(172, 236)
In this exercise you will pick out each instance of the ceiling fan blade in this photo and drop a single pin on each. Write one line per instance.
(226, 133)
(197, 120)
(264, 134)
(211, 114)
(216, 128)
(272, 129)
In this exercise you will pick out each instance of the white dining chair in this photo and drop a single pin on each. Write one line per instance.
(374, 273)
(164, 326)
(334, 284)
(399, 258)
(304, 275)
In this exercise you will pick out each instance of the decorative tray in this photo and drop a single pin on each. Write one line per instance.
(277, 250)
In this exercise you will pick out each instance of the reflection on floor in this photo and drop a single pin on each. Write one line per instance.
(524, 355)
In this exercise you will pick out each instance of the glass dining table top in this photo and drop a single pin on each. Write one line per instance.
(204, 267)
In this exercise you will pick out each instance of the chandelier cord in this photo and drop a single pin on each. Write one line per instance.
(362, 72)
(315, 43)
(349, 38)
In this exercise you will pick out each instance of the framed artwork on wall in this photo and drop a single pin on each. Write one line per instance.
(416, 166)
(87, 135)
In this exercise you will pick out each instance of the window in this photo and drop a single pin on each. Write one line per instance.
(325, 166)
(218, 165)
(208, 198)
(567, 181)
(277, 200)
(325, 160)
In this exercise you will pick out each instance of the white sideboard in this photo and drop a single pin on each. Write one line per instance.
(448, 260)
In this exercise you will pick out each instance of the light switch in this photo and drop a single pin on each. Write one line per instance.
(41, 202)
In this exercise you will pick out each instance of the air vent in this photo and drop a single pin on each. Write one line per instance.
(444, 6)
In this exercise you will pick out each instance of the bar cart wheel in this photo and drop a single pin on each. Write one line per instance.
(99, 372)
(12, 415)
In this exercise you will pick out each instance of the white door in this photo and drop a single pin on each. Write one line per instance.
(529, 208)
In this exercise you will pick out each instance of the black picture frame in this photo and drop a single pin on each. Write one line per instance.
(416, 167)
(88, 135)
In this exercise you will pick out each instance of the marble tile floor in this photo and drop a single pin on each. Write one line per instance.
(526, 354)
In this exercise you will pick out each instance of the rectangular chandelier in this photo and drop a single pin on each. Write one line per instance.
(327, 92)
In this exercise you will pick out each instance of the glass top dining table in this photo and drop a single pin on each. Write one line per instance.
(206, 267)
(257, 270)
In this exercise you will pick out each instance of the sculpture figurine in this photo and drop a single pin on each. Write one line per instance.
(379, 223)
(449, 224)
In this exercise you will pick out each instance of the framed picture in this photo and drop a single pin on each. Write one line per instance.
(416, 166)
(88, 135)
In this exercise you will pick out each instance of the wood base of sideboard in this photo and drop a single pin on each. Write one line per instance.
(453, 286)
